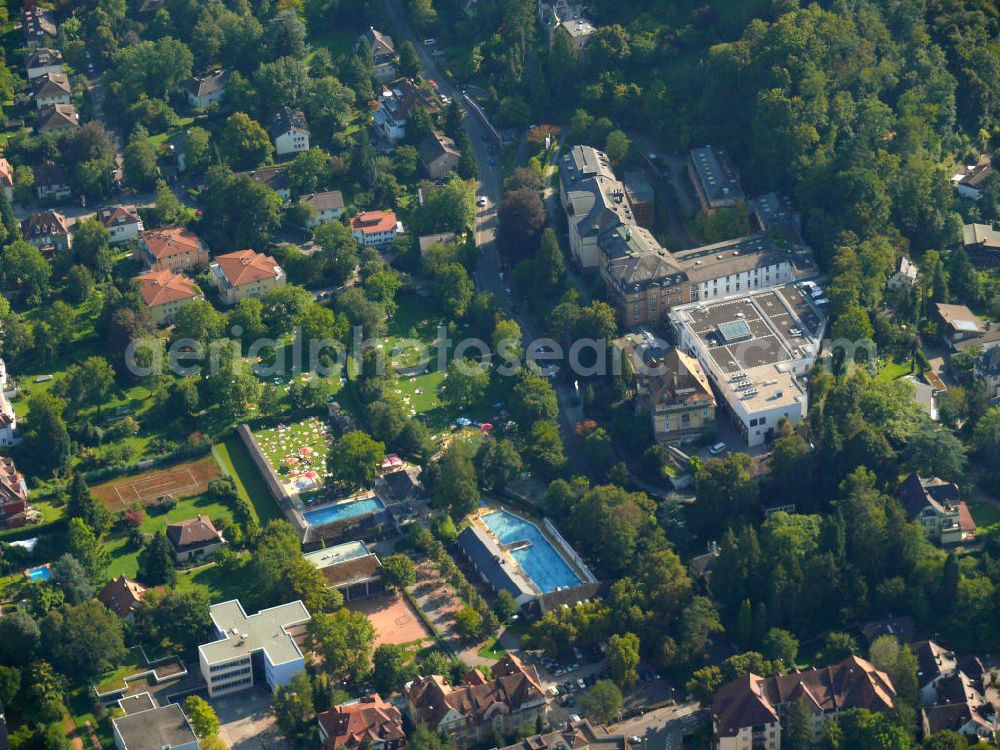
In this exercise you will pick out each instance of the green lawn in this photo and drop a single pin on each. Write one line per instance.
(125, 558)
(984, 514)
(339, 41)
(303, 445)
(891, 370)
(222, 586)
(235, 461)
(492, 649)
(134, 663)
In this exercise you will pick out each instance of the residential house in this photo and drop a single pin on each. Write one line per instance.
(123, 222)
(245, 273)
(577, 31)
(38, 27)
(902, 628)
(773, 212)
(670, 386)
(43, 60)
(439, 155)
(958, 323)
(715, 180)
(641, 197)
(959, 706)
(701, 567)
(951, 693)
(13, 494)
(47, 229)
(368, 720)
(207, 89)
(289, 131)
(426, 190)
(351, 568)
(195, 538)
(122, 596)
(328, 205)
(577, 735)
(275, 178)
(165, 292)
(148, 726)
(8, 424)
(969, 180)
(171, 249)
(50, 89)
(375, 228)
(938, 506)
(396, 101)
(984, 341)
(748, 712)
(51, 182)
(479, 708)
(926, 393)
(906, 275)
(383, 52)
(565, 17)
(6, 180)
(980, 239)
(56, 118)
(253, 648)
(988, 371)
(429, 240)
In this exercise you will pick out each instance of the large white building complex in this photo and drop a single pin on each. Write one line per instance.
(253, 648)
(757, 348)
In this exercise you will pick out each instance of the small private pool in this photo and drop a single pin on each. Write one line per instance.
(532, 550)
(40, 573)
(339, 511)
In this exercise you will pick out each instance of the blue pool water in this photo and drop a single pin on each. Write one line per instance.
(540, 560)
(42, 573)
(341, 511)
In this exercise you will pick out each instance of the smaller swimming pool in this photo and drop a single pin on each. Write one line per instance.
(41, 573)
(348, 509)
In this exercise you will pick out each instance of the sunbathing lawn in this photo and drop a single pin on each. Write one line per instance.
(301, 446)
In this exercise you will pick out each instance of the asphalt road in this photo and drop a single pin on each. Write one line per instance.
(490, 184)
(661, 729)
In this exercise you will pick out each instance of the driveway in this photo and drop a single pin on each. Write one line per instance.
(662, 729)
(246, 721)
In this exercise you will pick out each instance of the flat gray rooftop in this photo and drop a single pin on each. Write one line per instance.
(245, 634)
(756, 329)
(155, 729)
(341, 553)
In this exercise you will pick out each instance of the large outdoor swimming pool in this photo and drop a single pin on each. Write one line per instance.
(539, 559)
(340, 511)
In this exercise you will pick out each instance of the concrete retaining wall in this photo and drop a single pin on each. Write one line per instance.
(274, 485)
(569, 552)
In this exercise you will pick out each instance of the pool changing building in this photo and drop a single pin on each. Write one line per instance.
(757, 349)
(252, 648)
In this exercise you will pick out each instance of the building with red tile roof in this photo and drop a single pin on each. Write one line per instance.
(480, 708)
(123, 222)
(748, 710)
(245, 273)
(13, 494)
(122, 596)
(172, 248)
(166, 292)
(194, 538)
(370, 718)
(374, 228)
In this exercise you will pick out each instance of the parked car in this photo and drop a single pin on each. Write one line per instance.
(716, 449)
(430, 42)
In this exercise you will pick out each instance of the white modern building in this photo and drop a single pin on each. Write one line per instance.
(289, 131)
(757, 349)
(252, 648)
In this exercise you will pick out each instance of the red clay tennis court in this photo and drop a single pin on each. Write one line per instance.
(181, 480)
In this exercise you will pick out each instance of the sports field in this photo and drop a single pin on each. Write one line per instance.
(181, 480)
